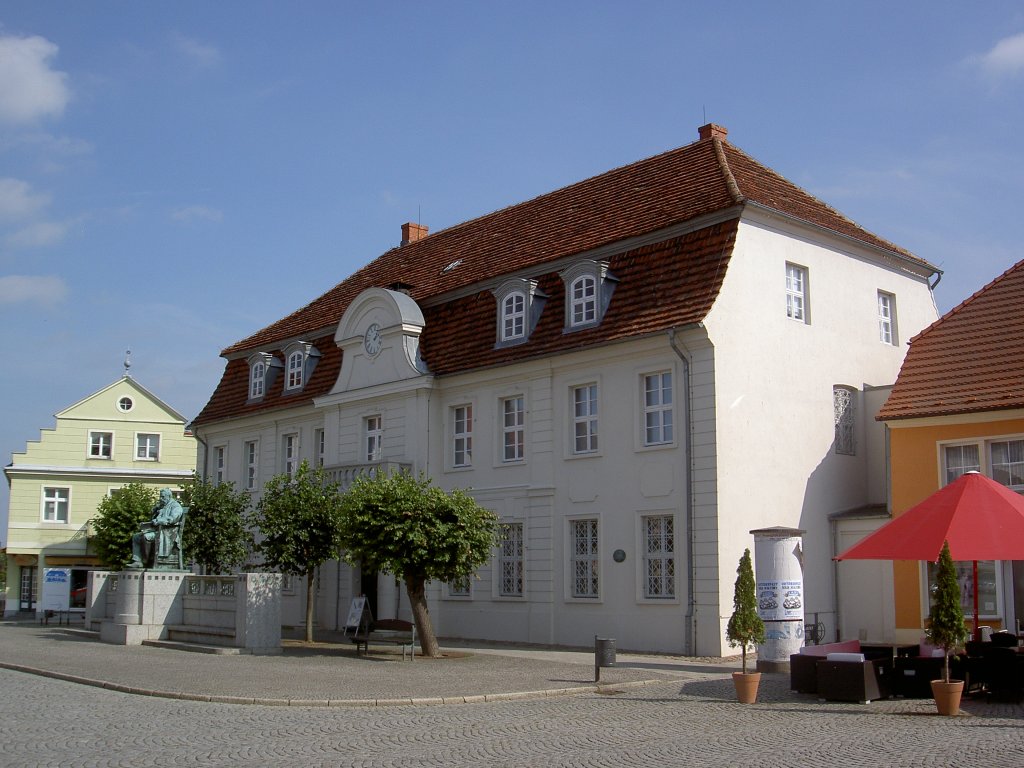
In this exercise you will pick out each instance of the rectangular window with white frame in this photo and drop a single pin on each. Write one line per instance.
(252, 459)
(658, 408)
(373, 429)
(511, 560)
(513, 429)
(462, 436)
(1006, 460)
(659, 558)
(220, 460)
(290, 454)
(796, 292)
(320, 441)
(584, 558)
(147, 447)
(960, 459)
(887, 318)
(56, 504)
(101, 445)
(584, 420)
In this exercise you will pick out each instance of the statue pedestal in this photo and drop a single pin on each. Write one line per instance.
(145, 603)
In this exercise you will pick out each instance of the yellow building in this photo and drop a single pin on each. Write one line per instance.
(119, 435)
(958, 406)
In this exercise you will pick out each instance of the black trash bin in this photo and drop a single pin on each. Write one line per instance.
(604, 655)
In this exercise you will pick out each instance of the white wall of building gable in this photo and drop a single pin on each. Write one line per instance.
(774, 388)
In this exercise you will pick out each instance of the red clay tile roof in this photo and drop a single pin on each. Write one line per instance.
(671, 283)
(969, 360)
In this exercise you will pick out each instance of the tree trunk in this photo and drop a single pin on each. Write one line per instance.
(310, 601)
(415, 588)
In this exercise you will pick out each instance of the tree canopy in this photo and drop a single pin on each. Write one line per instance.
(117, 519)
(946, 626)
(409, 527)
(299, 520)
(745, 626)
(216, 534)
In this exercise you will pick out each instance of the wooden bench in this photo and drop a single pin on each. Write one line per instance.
(384, 632)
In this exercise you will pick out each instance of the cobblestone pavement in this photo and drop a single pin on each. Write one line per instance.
(688, 717)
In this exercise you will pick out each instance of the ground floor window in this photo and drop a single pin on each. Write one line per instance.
(29, 585)
(659, 556)
(987, 595)
(585, 559)
(510, 557)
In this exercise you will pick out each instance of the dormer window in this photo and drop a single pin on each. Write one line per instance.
(295, 361)
(257, 379)
(519, 308)
(588, 291)
(300, 359)
(513, 316)
(583, 301)
(262, 368)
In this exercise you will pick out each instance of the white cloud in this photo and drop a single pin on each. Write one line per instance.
(197, 213)
(1006, 57)
(29, 88)
(39, 234)
(41, 289)
(17, 201)
(201, 55)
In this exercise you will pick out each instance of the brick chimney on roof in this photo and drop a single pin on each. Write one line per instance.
(413, 232)
(712, 131)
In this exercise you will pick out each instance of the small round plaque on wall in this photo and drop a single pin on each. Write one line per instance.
(619, 555)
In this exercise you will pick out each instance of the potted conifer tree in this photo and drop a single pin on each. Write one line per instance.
(946, 629)
(745, 628)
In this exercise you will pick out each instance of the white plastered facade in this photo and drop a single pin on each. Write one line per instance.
(752, 445)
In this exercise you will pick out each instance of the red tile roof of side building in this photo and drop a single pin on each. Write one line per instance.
(669, 283)
(969, 360)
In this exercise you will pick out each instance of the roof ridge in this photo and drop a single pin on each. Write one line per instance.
(730, 180)
(889, 244)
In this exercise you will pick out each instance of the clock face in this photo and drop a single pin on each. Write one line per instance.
(372, 340)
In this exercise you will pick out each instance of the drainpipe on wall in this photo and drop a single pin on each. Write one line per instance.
(206, 452)
(690, 640)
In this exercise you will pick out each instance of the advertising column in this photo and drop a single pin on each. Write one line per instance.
(780, 595)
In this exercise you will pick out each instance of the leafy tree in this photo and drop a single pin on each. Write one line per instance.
(3, 572)
(408, 527)
(216, 534)
(300, 522)
(745, 626)
(117, 520)
(946, 627)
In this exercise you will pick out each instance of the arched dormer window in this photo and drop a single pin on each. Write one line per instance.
(257, 380)
(513, 316)
(583, 301)
(300, 359)
(295, 361)
(588, 291)
(519, 308)
(262, 367)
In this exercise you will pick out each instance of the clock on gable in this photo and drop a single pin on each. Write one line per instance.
(372, 340)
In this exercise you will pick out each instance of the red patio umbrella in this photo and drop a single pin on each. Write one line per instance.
(981, 520)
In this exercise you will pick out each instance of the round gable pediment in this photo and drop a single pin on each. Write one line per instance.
(382, 307)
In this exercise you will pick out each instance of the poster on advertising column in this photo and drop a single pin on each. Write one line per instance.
(56, 589)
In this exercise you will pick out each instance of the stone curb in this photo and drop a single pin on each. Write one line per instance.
(273, 702)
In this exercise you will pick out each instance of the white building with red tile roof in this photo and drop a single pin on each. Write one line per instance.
(633, 372)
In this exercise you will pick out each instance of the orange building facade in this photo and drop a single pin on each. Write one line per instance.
(958, 406)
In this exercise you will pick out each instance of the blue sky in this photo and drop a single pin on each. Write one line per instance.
(177, 175)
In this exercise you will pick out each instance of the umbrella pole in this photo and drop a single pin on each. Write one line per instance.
(977, 630)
